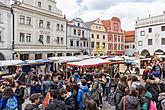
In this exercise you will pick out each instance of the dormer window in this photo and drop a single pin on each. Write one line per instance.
(78, 24)
(39, 4)
(50, 8)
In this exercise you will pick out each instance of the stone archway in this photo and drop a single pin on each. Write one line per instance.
(2, 57)
(145, 53)
(85, 53)
(159, 52)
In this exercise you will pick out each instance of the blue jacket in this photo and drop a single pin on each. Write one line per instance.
(80, 96)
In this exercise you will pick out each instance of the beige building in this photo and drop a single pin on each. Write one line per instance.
(98, 37)
(39, 30)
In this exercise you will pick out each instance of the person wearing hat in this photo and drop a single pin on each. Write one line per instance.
(35, 99)
(19, 93)
(146, 72)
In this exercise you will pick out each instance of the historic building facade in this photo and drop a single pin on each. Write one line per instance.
(130, 43)
(39, 30)
(150, 35)
(116, 37)
(78, 37)
(5, 30)
(98, 37)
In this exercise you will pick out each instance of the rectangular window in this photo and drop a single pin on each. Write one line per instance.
(149, 41)
(58, 27)
(58, 40)
(62, 40)
(83, 33)
(28, 37)
(49, 55)
(133, 46)
(48, 24)
(24, 56)
(97, 44)
(48, 39)
(59, 54)
(78, 43)
(92, 44)
(163, 28)
(39, 4)
(87, 43)
(38, 56)
(122, 47)
(111, 46)
(92, 35)
(103, 36)
(97, 36)
(163, 41)
(22, 19)
(103, 45)
(119, 48)
(22, 37)
(50, 8)
(142, 33)
(62, 27)
(79, 32)
(84, 43)
(115, 46)
(74, 31)
(28, 20)
(140, 43)
(41, 37)
(71, 42)
(41, 23)
(149, 30)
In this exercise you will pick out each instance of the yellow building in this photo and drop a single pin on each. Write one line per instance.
(98, 37)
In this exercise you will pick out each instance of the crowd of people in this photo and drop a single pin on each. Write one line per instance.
(52, 91)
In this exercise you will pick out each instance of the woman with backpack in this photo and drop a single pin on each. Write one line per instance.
(130, 101)
(19, 93)
(8, 101)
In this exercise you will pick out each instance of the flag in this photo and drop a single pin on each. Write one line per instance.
(46, 100)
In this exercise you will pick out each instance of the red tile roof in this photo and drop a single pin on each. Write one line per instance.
(107, 24)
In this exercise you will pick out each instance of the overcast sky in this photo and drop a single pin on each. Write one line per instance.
(126, 10)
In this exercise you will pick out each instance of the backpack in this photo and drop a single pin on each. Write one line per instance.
(11, 103)
(86, 98)
(112, 98)
(152, 105)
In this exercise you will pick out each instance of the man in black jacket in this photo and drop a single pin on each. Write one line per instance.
(55, 104)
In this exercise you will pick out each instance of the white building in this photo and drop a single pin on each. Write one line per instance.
(5, 30)
(150, 35)
(78, 37)
(39, 30)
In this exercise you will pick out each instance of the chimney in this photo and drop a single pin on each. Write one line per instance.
(164, 12)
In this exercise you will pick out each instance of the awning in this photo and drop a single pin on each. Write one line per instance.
(65, 59)
(89, 62)
(11, 62)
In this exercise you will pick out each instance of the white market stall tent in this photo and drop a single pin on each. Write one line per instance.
(65, 59)
(89, 62)
(116, 58)
(11, 62)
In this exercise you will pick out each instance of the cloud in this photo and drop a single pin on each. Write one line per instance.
(126, 10)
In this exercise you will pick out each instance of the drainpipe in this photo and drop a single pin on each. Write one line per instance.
(12, 12)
